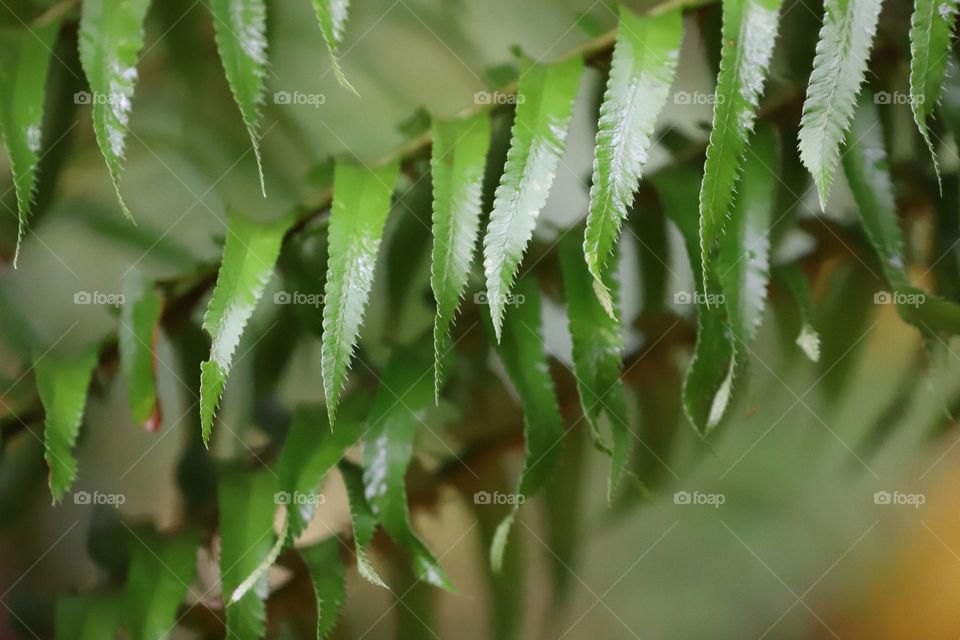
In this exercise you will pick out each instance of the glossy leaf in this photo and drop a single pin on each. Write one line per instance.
(62, 384)
(247, 505)
(160, 574)
(111, 36)
(363, 520)
(457, 167)
(544, 107)
(138, 333)
(249, 256)
(332, 16)
(597, 353)
(329, 584)
(395, 418)
(361, 200)
(644, 63)
(240, 29)
(24, 63)
(846, 38)
(522, 351)
(749, 32)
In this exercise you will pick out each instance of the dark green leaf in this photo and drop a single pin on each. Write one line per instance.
(138, 333)
(326, 572)
(88, 617)
(363, 520)
(160, 574)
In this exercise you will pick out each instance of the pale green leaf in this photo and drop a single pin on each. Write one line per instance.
(62, 384)
(642, 69)
(361, 201)
(137, 335)
(597, 353)
(24, 63)
(111, 36)
(249, 256)
(329, 585)
(523, 353)
(332, 16)
(363, 520)
(406, 390)
(457, 169)
(931, 34)
(160, 574)
(749, 31)
(846, 38)
(544, 107)
(240, 29)
(247, 505)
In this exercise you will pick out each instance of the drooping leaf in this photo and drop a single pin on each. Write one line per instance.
(395, 418)
(24, 63)
(865, 165)
(845, 41)
(361, 200)
(138, 333)
(332, 16)
(544, 107)
(749, 31)
(457, 167)
(311, 449)
(809, 339)
(644, 63)
(522, 351)
(111, 36)
(240, 29)
(62, 385)
(91, 617)
(160, 574)
(931, 33)
(327, 574)
(363, 520)
(249, 256)
(597, 352)
(247, 505)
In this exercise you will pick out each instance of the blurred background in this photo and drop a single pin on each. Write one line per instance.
(824, 508)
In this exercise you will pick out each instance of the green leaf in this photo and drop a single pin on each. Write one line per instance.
(160, 574)
(240, 29)
(329, 584)
(361, 200)
(363, 520)
(544, 107)
(597, 353)
(332, 16)
(92, 617)
(247, 505)
(931, 32)
(311, 449)
(24, 63)
(111, 36)
(138, 333)
(62, 384)
(749, 31)
(249, 256)
(457, 168)
(809, 339)
(865, 165)
(644, 63)
(396, 417)
(523, 353)
(846, 38)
